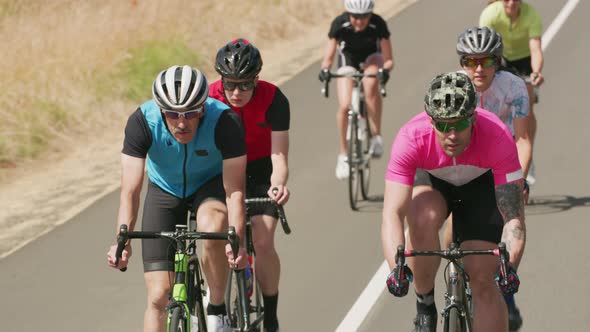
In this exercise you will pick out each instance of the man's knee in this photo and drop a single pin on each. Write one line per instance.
(427, 209)
(212, 217)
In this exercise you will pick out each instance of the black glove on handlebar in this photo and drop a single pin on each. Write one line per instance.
(324, 75)
(383, 75)
(399, 288)
(510, 283)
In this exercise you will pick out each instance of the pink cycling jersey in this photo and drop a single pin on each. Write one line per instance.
(491, 147)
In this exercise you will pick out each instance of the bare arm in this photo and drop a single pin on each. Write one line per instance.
(523, 143)
(234, 177)
(387, 53)
(536, 61)
(280, 166)
(329, 53)
(131, 183)
(395, 205)
(510, 202)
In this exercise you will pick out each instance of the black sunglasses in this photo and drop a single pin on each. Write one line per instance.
(243, 86)
(360, 16)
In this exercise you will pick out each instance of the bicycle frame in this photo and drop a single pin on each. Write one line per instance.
(357, 133)
(244, 307)
(458, 311)
(183, 261)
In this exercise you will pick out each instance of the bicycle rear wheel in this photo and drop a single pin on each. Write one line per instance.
(178, 321)
(353, 151)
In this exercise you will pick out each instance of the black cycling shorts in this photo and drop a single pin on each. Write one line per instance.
(522, 67)
(473, 205)
(162, 211)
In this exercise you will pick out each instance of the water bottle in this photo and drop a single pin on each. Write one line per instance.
(249, 272)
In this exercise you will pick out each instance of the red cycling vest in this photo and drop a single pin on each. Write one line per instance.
(253, 115)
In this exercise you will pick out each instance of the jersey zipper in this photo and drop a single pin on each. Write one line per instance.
(184, 172)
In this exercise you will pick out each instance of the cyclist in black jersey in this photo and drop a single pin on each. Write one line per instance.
(194, 150)
(264, 111)
(361, 39)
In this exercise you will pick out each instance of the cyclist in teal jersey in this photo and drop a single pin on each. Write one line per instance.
(521, 29)
(195, 154)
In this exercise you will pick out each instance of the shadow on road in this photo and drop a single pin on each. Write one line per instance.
(554, 204)
(372, 204)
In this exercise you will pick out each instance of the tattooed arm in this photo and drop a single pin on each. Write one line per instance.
(511, 205)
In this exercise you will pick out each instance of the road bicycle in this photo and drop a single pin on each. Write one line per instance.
(243, 297)
(457, 314)
(186, 302)
(358, 137)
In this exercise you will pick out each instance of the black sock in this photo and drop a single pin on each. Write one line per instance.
(270, 311)
(425, 303)
(216, 310)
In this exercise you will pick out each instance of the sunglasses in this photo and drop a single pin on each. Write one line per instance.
(458, 125)
(243, 86)
(483, 62)
(188, 115)
(359, 16)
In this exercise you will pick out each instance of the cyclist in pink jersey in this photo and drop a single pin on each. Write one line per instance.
(473, 166)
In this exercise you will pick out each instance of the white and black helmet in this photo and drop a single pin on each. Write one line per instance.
(476, 41)
(178, 88)
(359, 6)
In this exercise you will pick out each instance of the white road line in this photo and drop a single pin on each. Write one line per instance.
(558, 22)
(356, 315)
(363, 305)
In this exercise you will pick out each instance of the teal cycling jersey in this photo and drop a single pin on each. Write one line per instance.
(181, 169)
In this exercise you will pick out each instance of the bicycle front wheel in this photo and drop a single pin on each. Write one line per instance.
(364, 168)
(353, 151)
(454, 322)
(178, 321)
(195, 295)
(237, 302)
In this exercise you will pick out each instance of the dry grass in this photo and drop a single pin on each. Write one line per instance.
(66, 66)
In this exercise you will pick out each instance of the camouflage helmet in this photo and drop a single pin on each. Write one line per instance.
(450, 96)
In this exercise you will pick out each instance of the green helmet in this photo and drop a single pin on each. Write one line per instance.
(450, 96)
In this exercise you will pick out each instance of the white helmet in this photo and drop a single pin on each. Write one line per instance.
(180, 88)
(359, 6)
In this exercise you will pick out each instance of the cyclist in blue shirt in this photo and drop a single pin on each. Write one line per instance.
(195, 154)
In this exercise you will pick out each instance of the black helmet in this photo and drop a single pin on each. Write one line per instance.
(480, 41)
(238, 60)
(450, 96)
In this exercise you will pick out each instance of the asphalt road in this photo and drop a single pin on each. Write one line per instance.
(61, 282)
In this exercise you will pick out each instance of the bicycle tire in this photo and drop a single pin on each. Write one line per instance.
(195, 295)
(255, 309)
(177, 321)
(235, 310)
(365, 169)
(353, 147)
(454, 322)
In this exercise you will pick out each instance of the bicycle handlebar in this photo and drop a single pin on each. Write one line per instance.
(267, 200)
(454, 253)
(178, 235)
(356, 76)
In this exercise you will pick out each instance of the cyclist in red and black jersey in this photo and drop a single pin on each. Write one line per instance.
(265, 114)
(361, 39)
